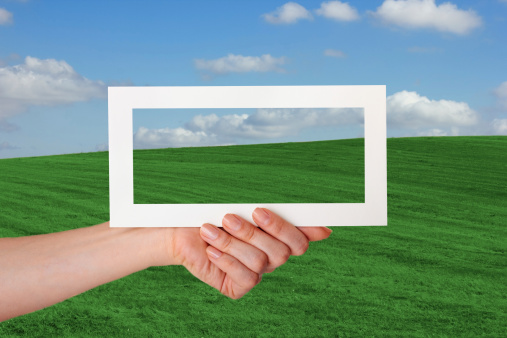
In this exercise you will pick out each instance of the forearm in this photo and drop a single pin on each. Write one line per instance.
(39, 271)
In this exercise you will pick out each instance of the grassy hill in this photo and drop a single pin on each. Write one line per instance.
(438, 268)
(317, 172)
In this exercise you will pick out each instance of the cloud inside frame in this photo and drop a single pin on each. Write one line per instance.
(263, 124)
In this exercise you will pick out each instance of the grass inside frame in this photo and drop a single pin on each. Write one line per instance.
(122, 101)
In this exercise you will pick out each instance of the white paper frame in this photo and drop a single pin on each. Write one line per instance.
(122, 101)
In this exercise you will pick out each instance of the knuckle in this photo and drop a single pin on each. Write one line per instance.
(235, 296)
(260, 262)
(284, 255)
(301, 247)
(228, 264)
(225, 242)
(249, 233)
(270, 269)
(251, 280)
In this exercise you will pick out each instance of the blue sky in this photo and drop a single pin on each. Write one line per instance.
(444, 63)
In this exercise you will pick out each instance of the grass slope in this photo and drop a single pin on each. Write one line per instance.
(437, 269)
(318, 172)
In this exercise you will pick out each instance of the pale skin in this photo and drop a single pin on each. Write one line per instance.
(39, 271)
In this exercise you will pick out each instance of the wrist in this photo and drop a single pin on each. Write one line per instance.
(161, 245)
(152, 246)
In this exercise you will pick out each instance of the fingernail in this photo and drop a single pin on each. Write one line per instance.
(209, 231)
(261, 215)
(215, 253)
(232, 221)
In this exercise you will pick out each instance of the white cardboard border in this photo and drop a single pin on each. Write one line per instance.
(122, 101)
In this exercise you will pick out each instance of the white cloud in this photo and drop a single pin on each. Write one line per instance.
(293, 121)
(226, 126)
(263, 124)
(414, 14)
(289, 13)
(501, 93)
(43, 83)
(146, 138)
(334, 53)
(337, 10)
(5, 17)
(410, 110)
(241, 64)
(499, 126)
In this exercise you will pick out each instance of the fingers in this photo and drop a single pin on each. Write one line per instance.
(280, 240)
(315, 233)
(252, 257)
(281, 230)
(238, 279)
(243, 251)
(277, 252)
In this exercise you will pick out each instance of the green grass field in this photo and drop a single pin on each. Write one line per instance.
(438, 269)
(317, 172)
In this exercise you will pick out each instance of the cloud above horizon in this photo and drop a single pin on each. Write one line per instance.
(39, 82)
(5, 17)
(420, 14)
(411, 110)
(418, 114)
(241, 64)
(500, 126)
(289, 13)
(337, 10)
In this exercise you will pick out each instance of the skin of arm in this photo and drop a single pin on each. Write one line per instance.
(38, 271)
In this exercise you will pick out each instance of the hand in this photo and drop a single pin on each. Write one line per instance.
(234, 260)
(73, 261)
